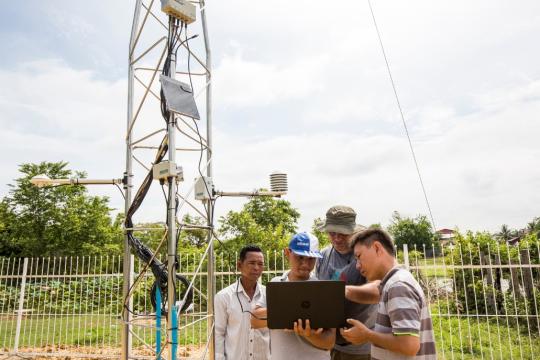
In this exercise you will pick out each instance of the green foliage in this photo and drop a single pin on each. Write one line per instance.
(194, 237)
(470, 284)
(264, 221)
(482, 338)
(324, 240)
(52, 221)
(415, 232)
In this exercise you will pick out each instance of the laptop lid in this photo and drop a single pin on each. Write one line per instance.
(322, 302)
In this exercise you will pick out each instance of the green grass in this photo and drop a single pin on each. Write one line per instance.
(456, 338)
(103, 330)
(483, 339)
(431, 271)
(61, 330)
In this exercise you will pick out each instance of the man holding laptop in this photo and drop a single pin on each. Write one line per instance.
(338, 263)
(302, 342)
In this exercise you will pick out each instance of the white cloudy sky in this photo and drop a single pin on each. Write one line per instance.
(301, 86)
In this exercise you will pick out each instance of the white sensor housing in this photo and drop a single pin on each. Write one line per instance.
(203, 188)
(278, 182)
(180, 9)
(167, 169)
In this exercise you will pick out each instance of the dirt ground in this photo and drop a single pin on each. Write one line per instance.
(88, 352)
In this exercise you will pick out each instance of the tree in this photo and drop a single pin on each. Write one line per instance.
(533, 227)
(263, 220)
(194, 237)
(415, 232)
(55, 221)
(324, 240)
(7, 217)
(506, 233)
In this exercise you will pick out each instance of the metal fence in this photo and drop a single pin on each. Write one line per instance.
(485, 304)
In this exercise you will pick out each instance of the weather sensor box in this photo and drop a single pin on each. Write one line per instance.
(203, 188)
(181, 9)
(167, 169)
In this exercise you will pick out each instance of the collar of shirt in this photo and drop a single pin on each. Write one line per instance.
(387, 277)
(285, 276)
(240, 289)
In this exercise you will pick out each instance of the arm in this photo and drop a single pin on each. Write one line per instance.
(363, 294)
(401, 344)
(320, 338)
(258, 322)
(220, 326)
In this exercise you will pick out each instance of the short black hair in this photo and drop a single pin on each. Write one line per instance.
(367, 237)
(248, 248)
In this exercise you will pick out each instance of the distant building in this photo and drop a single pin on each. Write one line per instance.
(446, 237)
(514, 241)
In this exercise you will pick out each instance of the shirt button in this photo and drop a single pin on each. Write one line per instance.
(251, 340)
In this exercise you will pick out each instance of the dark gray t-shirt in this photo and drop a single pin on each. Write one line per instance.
(336, 266)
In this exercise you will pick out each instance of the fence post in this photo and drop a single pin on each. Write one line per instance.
(21, 306)
(527, 273)
(515, 279)
(406, 256)
(490, 298)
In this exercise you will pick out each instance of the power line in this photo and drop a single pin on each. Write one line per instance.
(402, 116)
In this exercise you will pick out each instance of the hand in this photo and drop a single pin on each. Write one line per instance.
(307, 331)
(357, 334)
(259, 312)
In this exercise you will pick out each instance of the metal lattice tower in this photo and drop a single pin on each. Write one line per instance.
(187, 146)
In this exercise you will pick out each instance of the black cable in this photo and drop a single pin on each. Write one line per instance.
(142, 251)
(164, 193)
(121, 192)
(195, 121)
(240, 302)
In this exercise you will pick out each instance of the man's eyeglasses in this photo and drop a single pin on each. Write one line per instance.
(335, 234)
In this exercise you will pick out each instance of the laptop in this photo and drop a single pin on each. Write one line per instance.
(322, 302)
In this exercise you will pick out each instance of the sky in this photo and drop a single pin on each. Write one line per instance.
(302, 87)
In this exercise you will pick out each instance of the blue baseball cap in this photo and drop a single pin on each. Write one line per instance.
(305, 244)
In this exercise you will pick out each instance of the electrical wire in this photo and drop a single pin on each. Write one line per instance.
(121, 192)
(142, 251)
(402, 116)
(240, 302)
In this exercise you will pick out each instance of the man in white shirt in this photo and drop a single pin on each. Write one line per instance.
(234, 337)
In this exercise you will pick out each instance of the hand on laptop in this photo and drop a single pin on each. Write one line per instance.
(320, 338)
(306, 331)
(357, 334)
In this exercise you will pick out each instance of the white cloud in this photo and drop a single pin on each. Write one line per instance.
(466, 73)
(51, 112)
(244, 83)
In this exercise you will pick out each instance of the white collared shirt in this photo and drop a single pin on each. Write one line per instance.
(234, 337)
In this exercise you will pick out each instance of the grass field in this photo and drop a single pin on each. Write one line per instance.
(456, 338)
(99, 331)
(472, 339)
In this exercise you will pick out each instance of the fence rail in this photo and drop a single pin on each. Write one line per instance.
(485, 305)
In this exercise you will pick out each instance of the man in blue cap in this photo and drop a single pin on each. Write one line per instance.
(304, 342)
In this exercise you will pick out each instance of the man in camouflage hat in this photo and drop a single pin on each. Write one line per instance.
(338, 263)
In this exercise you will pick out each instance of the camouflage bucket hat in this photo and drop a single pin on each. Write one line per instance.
(342, 220)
